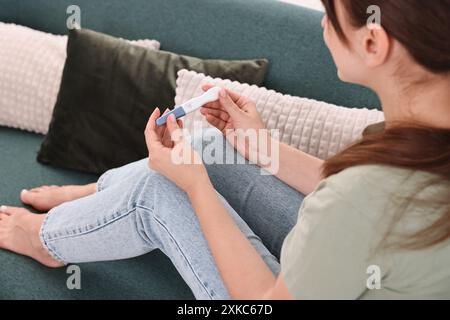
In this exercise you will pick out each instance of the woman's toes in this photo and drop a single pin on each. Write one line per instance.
(37, 199)
(46, 198)
(43, 198)
(19, 233)
(12, 210)
(3, 210)
(42, 188)
(38, 189)
(26, 196)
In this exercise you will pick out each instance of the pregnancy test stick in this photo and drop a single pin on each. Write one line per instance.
(190, 106)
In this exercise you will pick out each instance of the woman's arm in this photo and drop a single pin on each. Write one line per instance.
(237, 115)
(298, 169)
(244, 272)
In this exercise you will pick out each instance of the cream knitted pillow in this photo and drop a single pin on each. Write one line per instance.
(31, 65)
(318, 128)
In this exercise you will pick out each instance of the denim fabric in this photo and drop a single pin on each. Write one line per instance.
(136, 210)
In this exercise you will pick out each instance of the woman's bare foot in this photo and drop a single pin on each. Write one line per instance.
(47, 197)
(19, 233)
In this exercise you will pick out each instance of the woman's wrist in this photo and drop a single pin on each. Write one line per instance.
(199, 187)
(266, 153)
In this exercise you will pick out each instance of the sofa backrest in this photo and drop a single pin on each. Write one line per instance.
(289, 36)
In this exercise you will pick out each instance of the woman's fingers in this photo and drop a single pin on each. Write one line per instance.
(228, 104)
(207, 86)
(234, 96)
(150, 131)
(216, 113)
(174, 129)
(161, 129)
(163, 133)
(167, 142)
(167, 138)
(216, 122)
(151, 124)
(213, 105)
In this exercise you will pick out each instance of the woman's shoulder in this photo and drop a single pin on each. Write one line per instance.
(376, 178)
(374, 188)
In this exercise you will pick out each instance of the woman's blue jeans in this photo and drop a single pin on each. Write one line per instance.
(136, 210)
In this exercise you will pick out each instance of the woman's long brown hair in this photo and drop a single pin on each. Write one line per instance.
(422, 28)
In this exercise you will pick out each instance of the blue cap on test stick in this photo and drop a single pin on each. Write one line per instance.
(190, 106)
(178, 112)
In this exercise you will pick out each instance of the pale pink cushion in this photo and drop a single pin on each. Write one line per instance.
(31, 65)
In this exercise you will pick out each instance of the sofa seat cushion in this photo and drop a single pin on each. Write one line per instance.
(22, 278)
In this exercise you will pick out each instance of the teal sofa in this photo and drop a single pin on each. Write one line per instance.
(289, 36)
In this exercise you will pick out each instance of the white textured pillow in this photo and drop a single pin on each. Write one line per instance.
(31, 65)
(317, 128)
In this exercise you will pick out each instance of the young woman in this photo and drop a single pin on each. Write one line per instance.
(381, 206)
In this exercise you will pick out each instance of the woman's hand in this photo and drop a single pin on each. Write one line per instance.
(232, 111)
(239, 120)
(163, 131)
(172, 156)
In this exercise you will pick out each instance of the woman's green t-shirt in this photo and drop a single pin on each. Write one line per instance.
(333, 251)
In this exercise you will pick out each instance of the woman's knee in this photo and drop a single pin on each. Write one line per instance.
(125, 175)
(155, 190)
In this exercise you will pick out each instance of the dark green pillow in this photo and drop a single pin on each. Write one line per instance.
(108, 91)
